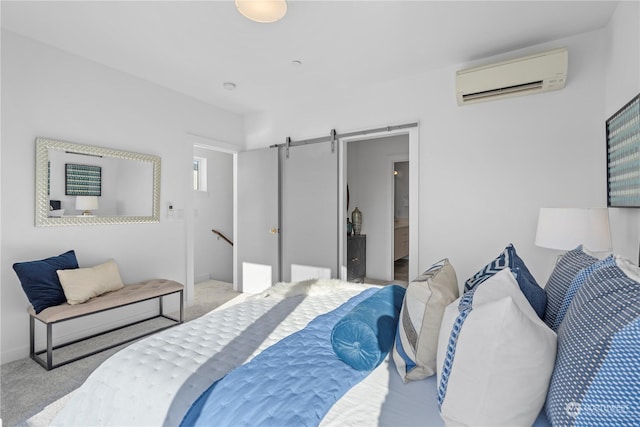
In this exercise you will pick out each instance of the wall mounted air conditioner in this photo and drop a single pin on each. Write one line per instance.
(522, 76)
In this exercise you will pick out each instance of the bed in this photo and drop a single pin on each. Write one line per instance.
(154, 382)
(166, 378)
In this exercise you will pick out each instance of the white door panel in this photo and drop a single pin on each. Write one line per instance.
(309, 191)
(257, 230)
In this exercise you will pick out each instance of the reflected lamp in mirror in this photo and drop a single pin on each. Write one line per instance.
(86, 204)
(567, 228)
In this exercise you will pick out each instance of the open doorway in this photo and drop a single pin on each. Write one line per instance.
(213, 225)
(401, 221)
(370, 175)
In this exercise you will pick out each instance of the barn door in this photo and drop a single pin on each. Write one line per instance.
(257, 214)
(309, 192)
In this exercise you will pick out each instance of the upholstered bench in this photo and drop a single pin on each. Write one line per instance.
(130, 294)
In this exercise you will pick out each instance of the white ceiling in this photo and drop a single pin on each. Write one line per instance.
(194, 46)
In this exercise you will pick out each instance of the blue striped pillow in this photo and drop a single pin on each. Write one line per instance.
(597, 372)
(568, 266)
(576, 284)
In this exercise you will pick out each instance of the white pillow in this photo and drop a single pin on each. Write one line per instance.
(416, 343)
(495, 357)
(82, 284)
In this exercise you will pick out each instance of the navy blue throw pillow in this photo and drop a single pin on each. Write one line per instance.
(40, 281)
(536, 296)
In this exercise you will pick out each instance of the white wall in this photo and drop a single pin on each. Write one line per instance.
(622, 82)
(46, 92)
(213, 258)
(485, 169)
(370, 181)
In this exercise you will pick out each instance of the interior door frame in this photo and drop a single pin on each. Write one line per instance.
(414, 180)
(392, 160)
(221, 147)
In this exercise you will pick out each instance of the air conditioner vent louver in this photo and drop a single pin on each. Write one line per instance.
(525, 87)
(531, 74)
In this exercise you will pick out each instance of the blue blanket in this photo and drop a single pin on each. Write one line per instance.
(294, 382)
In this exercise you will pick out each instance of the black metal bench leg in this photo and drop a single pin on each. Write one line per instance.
(32, 344)
(181, 307)
(49, 346)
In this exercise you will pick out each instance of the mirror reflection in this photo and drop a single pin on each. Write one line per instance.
(81, 184)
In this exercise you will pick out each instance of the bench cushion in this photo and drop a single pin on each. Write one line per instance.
(126, 295)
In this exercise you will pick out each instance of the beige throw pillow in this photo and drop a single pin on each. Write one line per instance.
(82, 284)
(415, 348)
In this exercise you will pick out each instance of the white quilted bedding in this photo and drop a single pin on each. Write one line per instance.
(154, 381)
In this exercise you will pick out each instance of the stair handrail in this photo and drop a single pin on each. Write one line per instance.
(220, 234)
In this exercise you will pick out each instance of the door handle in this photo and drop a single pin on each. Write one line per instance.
(274, 230)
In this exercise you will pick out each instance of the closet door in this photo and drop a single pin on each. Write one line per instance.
(309, 191)
(258, 225)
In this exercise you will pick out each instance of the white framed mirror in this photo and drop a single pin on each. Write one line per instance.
(78, 184)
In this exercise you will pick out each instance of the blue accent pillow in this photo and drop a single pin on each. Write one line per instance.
(576, 284)
(40, 281)
(568, 266)
(536, 296)
(364, 336)
(509, 258)
(597, 372)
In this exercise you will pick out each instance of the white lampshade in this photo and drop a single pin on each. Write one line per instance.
(265, 11)
(86, 204)
(566, 228)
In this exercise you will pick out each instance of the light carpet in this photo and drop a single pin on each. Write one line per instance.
(26, 388)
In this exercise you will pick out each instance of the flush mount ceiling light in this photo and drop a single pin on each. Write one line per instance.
(265, 11)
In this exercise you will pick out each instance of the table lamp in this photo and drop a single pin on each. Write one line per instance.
(567, 228)
(86, 204)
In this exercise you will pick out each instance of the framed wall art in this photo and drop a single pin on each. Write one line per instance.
(82, 180)
(623, 156)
